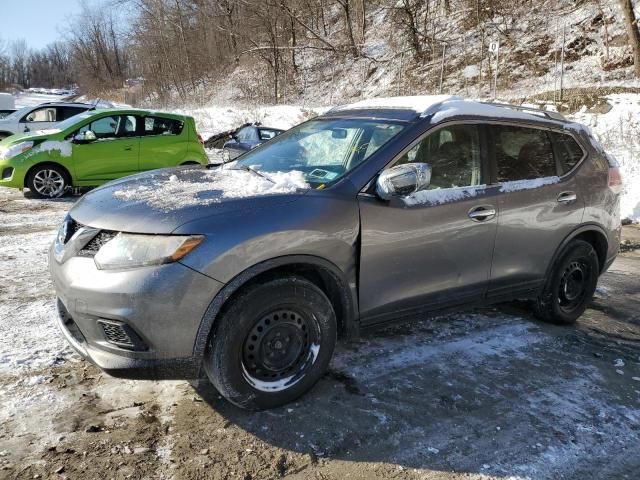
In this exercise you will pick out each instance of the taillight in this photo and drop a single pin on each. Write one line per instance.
(615, 180)
(200, 139)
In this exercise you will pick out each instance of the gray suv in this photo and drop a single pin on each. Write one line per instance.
(374, 212)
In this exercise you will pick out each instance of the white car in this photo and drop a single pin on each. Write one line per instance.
(40, 117)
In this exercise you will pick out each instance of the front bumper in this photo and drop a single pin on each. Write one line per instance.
(161, 307)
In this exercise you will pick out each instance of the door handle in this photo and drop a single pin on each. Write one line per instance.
(482, 213)
(567, 197)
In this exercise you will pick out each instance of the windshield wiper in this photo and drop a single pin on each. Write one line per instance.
(247, 168)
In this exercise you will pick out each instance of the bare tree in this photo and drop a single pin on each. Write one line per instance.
(633, 34)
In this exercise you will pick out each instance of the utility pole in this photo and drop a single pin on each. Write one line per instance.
(444, 51)
(562, 61)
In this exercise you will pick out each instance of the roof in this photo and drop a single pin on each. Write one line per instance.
(418, 103)
(440, 107)
(137, 111)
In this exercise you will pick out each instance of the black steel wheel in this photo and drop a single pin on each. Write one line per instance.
(571, 285)
(271, 343)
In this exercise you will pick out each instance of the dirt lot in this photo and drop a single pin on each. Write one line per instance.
(483, 394)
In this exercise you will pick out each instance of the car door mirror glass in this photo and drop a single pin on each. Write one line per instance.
(403, 180)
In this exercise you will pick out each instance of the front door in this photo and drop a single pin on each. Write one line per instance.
(431, 249)
(113, 154)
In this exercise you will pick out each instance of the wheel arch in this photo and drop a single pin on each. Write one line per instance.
(592, 234)
(324, 274)
(51, 163)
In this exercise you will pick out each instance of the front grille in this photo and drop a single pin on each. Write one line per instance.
(121, 335)
(91, 248)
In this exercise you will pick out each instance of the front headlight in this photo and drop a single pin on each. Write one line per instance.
(15, 150)
(127, 250)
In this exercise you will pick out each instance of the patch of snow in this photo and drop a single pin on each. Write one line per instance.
(441, 195)
(418, 103)
(456, 108)
(63, 148)
(174, 193)
(517, 185)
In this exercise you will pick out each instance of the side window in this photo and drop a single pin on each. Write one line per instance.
(162, 126)
(523, 153)
(454, 155)
(112, 127)
(569, 152)
(266, 134)
(46, 114)
(68, 112)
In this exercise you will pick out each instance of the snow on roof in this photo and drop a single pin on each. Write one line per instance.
(418, 103)
(445, 106)
(459, 107)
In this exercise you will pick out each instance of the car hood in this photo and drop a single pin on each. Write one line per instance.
(30, 136)
(160, 201)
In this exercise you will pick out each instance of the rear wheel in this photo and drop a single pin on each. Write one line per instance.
(571, 285)
(48, 181)
(272, 343)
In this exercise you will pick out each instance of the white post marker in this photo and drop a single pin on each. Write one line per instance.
(494, 47)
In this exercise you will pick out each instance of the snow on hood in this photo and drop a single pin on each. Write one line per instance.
(177, 191)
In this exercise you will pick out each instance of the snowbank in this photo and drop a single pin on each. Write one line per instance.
(618, 131)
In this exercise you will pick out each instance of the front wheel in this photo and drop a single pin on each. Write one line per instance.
(272, 343)
(571, 285)
(48, 181)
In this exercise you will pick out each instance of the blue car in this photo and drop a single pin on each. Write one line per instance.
(248, 137)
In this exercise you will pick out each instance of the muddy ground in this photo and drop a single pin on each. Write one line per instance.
(490, 393)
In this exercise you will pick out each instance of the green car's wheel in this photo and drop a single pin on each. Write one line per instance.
(48, 181)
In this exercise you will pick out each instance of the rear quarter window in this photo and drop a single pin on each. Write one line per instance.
(568, 150)
(162, 126)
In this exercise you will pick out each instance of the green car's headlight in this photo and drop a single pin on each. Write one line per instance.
(7, 153)
(127, 250)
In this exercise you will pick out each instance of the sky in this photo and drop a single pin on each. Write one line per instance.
(39, 22)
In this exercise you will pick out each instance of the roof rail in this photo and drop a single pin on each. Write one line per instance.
(547, 113)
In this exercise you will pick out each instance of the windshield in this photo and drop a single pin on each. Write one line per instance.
(72, 121)
(323, 150)
(18, 113)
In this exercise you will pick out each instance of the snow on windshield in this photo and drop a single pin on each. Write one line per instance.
(173, 193)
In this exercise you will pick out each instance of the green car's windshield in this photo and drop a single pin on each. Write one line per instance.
(323, 150)
(73, 121)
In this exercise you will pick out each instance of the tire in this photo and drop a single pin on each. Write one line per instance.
(571, 285)
(48, 181)
(272, 343)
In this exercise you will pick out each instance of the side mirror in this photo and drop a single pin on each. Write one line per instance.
(403, 180)
(85, 137)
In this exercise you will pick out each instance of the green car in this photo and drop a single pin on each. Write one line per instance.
(94, 147)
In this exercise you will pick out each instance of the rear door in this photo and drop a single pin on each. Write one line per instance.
(113, 154)
(426, 250)
(164, 142)
(539, 202)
